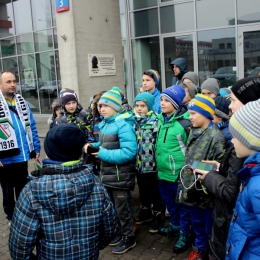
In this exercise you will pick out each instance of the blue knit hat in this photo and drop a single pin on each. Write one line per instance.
(204, 105)
(175, 94)
(67, 95)
(156, 76)
(147, 98)
(112, 98)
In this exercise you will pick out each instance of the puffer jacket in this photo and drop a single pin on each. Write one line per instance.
(81, 117)
(171, 144)
(157, 101)
(203, 144)
(244, 234)
(24, 152)
(182, 64)
(146, 132)
(117, 153)
(224, 186)
(65, 212)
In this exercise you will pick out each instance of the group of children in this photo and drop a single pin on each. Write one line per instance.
(158, 142)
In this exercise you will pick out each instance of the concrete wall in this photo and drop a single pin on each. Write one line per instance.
(91, 27)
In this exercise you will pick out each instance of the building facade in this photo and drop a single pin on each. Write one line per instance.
(218, 38)
(47, 50)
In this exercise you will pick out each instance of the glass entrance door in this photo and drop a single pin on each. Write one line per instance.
(249, 51)
(179, 46)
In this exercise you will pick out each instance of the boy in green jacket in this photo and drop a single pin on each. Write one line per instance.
(170, 151)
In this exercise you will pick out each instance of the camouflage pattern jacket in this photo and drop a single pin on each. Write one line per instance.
(203, 144)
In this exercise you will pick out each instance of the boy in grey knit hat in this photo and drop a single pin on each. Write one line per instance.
(191, 90)
(210, 87)
(191, 77)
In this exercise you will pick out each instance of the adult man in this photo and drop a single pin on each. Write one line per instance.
(18, 141)
(179, 68)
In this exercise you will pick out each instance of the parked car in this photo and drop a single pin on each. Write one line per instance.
(227, 76)
(50, 89)
(255, 71)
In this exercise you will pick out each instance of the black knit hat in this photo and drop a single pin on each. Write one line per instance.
(247, 89)
(64, 143)
(222, 105)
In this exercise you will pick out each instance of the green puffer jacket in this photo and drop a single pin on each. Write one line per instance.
(203, 144)
(171, 144)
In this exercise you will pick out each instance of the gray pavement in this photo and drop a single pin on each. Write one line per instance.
(149, 247)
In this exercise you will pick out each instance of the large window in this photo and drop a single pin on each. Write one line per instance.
(28, 48)
(217, 55)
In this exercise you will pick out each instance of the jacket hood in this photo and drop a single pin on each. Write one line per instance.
(62, 189)
(182, 64)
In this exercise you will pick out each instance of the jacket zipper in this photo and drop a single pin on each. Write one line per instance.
(165, 134)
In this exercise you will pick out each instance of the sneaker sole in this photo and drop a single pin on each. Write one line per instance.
(141, 222)
(122, 252)
(114, 244)
(153, 231)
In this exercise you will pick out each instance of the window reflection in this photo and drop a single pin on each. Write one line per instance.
(144, 23)
(177, 47)
(46, 71)
(53, 11)
(217, 55)
(146, 55)
(138, 4)
(8, 47)
(43, 40)
(41, 12)
(248, 11)
(207, 18)
(172, 18)
(23, 17)
(7, 23)
(10, 64)
(24, 43)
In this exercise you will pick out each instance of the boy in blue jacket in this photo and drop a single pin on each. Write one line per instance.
(244, 232)
(117, 152)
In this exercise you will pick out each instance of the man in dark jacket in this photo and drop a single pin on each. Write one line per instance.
(179, 68)
(64, 210)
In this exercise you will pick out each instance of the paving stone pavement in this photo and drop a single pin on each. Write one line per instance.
(149, 247)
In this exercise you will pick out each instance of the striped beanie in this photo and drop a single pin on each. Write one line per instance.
(156, 76)
(175, 94)
(67, 95)
(203, 105)
(245, 124)
(112, 98)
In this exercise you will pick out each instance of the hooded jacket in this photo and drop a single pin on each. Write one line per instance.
(65, 212)
(244, 233)
(117, 152)
(182, 64)
(171, 144)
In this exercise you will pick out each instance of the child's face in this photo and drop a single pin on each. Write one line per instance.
(71, 106)
(241, 150)
(167, 106)
(187, 98)
(235, 103)
(198, 120)
(208, 93)
(107, 111)
(217, 119)
(148, 83)
(141, 108)
(57, 111)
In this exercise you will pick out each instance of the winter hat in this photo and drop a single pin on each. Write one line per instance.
(245, 124)
(247, 89)
(212, 85)
(120, 91)
(204, 105)
(156, 76)
(192, 76)
(222, 105)
(147, 98)
(67, 95)
(64, 143)
(56, 103)
(175, 94)
(193, 89)
(112, 98)
(224, 92)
